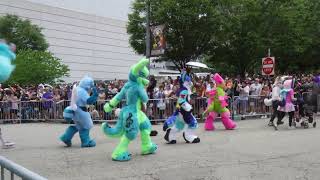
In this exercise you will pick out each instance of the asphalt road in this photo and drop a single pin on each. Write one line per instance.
(252, 152)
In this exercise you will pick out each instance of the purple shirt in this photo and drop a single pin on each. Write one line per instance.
(47, 96)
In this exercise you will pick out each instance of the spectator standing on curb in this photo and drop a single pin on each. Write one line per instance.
(255, 91)
(243, 98)
(47, 102)
(13, 100)
(161, 104)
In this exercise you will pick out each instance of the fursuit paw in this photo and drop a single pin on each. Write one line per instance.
(65, 141)
(91, 143)
(153, 133)
(209, 127)
(149, 150)
(125, 156)
(232, 127)
(8, 145)
(166, 137)
(195, 140)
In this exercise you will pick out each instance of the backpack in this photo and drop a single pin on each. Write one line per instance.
(282, 102)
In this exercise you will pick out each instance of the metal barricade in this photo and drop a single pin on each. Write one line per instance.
(17, 170)
(156, 109)
(9, 111)
(160, 109)
(250, 106)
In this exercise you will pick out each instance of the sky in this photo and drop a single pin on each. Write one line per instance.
(116, 9)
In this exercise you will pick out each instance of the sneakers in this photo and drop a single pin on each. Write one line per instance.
(270, 123)
(280, 122)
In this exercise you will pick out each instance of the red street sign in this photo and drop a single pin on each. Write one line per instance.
(268, 66)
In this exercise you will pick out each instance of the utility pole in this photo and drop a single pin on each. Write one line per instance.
(148, 35)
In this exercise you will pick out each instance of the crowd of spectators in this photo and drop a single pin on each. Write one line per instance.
(247, 94)
(47, 102)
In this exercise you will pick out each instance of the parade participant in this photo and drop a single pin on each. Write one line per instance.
(7, 55)
(182, 119)
(131, 118)
(275, 98)
(217, 104)
(78, 112)
(286, 103)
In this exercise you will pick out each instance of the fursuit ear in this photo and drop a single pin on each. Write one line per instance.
(140, 65)
(74, 96)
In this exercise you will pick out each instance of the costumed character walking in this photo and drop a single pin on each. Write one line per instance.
(131, 118)
(7, 55)
(217, 104)
(286, 103)
(182, 119)
(78, 112)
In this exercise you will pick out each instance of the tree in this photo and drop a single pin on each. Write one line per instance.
(191, 27)
(21, 32)
(289, 28)
(34, 64)
(35, 67)
(233, 35)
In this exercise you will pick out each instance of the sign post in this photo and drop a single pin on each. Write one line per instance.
(268, 66)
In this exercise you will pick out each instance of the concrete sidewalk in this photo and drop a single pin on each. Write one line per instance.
(252, 152)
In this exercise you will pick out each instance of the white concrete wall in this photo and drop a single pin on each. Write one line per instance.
(116, 9)
(88, 44)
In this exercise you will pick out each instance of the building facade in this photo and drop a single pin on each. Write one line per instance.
(88, 44)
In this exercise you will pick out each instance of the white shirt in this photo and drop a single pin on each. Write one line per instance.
(255, 89)
(244, 93)
(275, 93)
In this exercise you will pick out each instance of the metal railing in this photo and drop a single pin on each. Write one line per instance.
(157, 109)
(17, 170)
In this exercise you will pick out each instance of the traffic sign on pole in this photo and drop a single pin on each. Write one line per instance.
(268, 66)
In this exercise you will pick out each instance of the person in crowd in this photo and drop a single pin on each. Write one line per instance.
(47, 102)
(161, 104)
(151, 86)
(6, 105)
(101, 101)
(316, 93)
(243, 97)
(255, 91)
(265, 92)
(13, 100)
(168, 95)
(56, 99)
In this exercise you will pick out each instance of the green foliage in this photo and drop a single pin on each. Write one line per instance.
(35, 67)
(191, 26)
(34, 64)
(21, 32)
(254, 26)
(233, 35)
